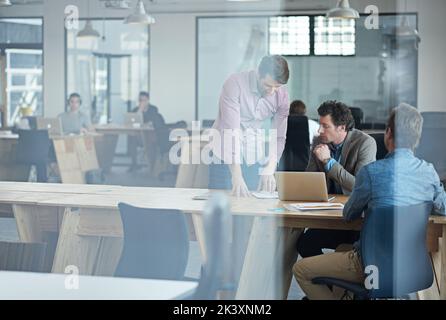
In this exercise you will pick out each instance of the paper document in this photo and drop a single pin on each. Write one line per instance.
(265, 195)
(309, 206)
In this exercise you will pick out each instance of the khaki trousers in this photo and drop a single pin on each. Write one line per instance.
(341, 265)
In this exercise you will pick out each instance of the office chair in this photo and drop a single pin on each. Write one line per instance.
(207, 123)
(381, 150)
(20, 256)
(33, 148)
(358, 116)
(297, 146)
(431, 147)
(214, 273)
(394, 240)
(156, 243)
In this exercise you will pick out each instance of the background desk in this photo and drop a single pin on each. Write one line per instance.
(91, 229)
(50, 286)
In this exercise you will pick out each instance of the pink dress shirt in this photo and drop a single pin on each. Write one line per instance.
(241, 106)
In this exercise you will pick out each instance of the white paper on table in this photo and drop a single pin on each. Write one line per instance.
(265, 195)
(309, 206)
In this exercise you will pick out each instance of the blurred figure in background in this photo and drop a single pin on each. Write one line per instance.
(75, 121)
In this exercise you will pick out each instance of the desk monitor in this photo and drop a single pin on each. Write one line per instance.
(302, 186)
(53, 125)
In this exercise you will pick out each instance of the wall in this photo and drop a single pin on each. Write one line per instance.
(177, 29)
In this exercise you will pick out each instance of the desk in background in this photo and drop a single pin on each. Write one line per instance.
(75, 154)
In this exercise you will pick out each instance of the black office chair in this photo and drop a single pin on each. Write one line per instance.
(358, 116)
(381, 150)
(164, 146)
(156, 243)
(296, 154)
(431, 147)
(394, 240)
(33, 148)
(214, 273)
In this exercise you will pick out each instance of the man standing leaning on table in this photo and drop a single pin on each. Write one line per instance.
(340, 151)
(247, 100)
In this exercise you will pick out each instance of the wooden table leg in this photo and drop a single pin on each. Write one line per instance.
(443, 265)
(32, 221)
(90, 240)
(269, 258)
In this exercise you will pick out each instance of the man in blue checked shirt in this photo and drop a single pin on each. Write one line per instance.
(400, 179)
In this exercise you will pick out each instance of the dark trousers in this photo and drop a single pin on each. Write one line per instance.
(312, 241)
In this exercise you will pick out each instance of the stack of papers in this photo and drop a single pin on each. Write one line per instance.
(311, 206)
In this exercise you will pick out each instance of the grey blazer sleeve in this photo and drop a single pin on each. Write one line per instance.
(365, 155)
(312, 165)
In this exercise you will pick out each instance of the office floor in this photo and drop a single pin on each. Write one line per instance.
(119, 175)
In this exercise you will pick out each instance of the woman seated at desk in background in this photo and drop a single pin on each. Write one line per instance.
(75, 121)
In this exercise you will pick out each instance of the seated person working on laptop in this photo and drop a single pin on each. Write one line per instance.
(75, 121)
(400, 179)
(150, 114)
(340, 151)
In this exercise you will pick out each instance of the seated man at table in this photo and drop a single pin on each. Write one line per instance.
(150, 115)
(75, 121)
(375, 186)
(340, 151)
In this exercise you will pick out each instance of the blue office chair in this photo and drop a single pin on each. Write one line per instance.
(394, 240)
(156, 243)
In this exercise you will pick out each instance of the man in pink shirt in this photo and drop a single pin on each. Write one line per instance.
(248, 99)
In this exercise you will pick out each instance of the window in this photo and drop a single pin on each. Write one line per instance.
(311, 35)
(289, 35)
(334, 36)
(21, 58)
(108, 72)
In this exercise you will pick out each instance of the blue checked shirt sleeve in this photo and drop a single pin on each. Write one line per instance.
(360, 196)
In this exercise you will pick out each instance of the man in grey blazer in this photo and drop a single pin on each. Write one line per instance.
(339, 151)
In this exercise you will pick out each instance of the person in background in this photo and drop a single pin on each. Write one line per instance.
(298, 108)
(400, 179)
(340, 151)
(150, 115)
(74, 120)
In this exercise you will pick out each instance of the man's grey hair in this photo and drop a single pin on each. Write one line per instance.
(406, 124)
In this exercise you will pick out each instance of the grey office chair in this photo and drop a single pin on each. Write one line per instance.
(431, 147)
(156, 243)
(394, 240)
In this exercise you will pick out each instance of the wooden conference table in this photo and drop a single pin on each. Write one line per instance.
(90, 229)
(51, 286)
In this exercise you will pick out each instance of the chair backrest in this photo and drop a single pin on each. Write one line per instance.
(296, 154)
(431, 147)
(156, 243)
(19, 256)
(207, 123)
(381, 150)
(216, 223)
(358, 116)
(33, 147)
(393, 239)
